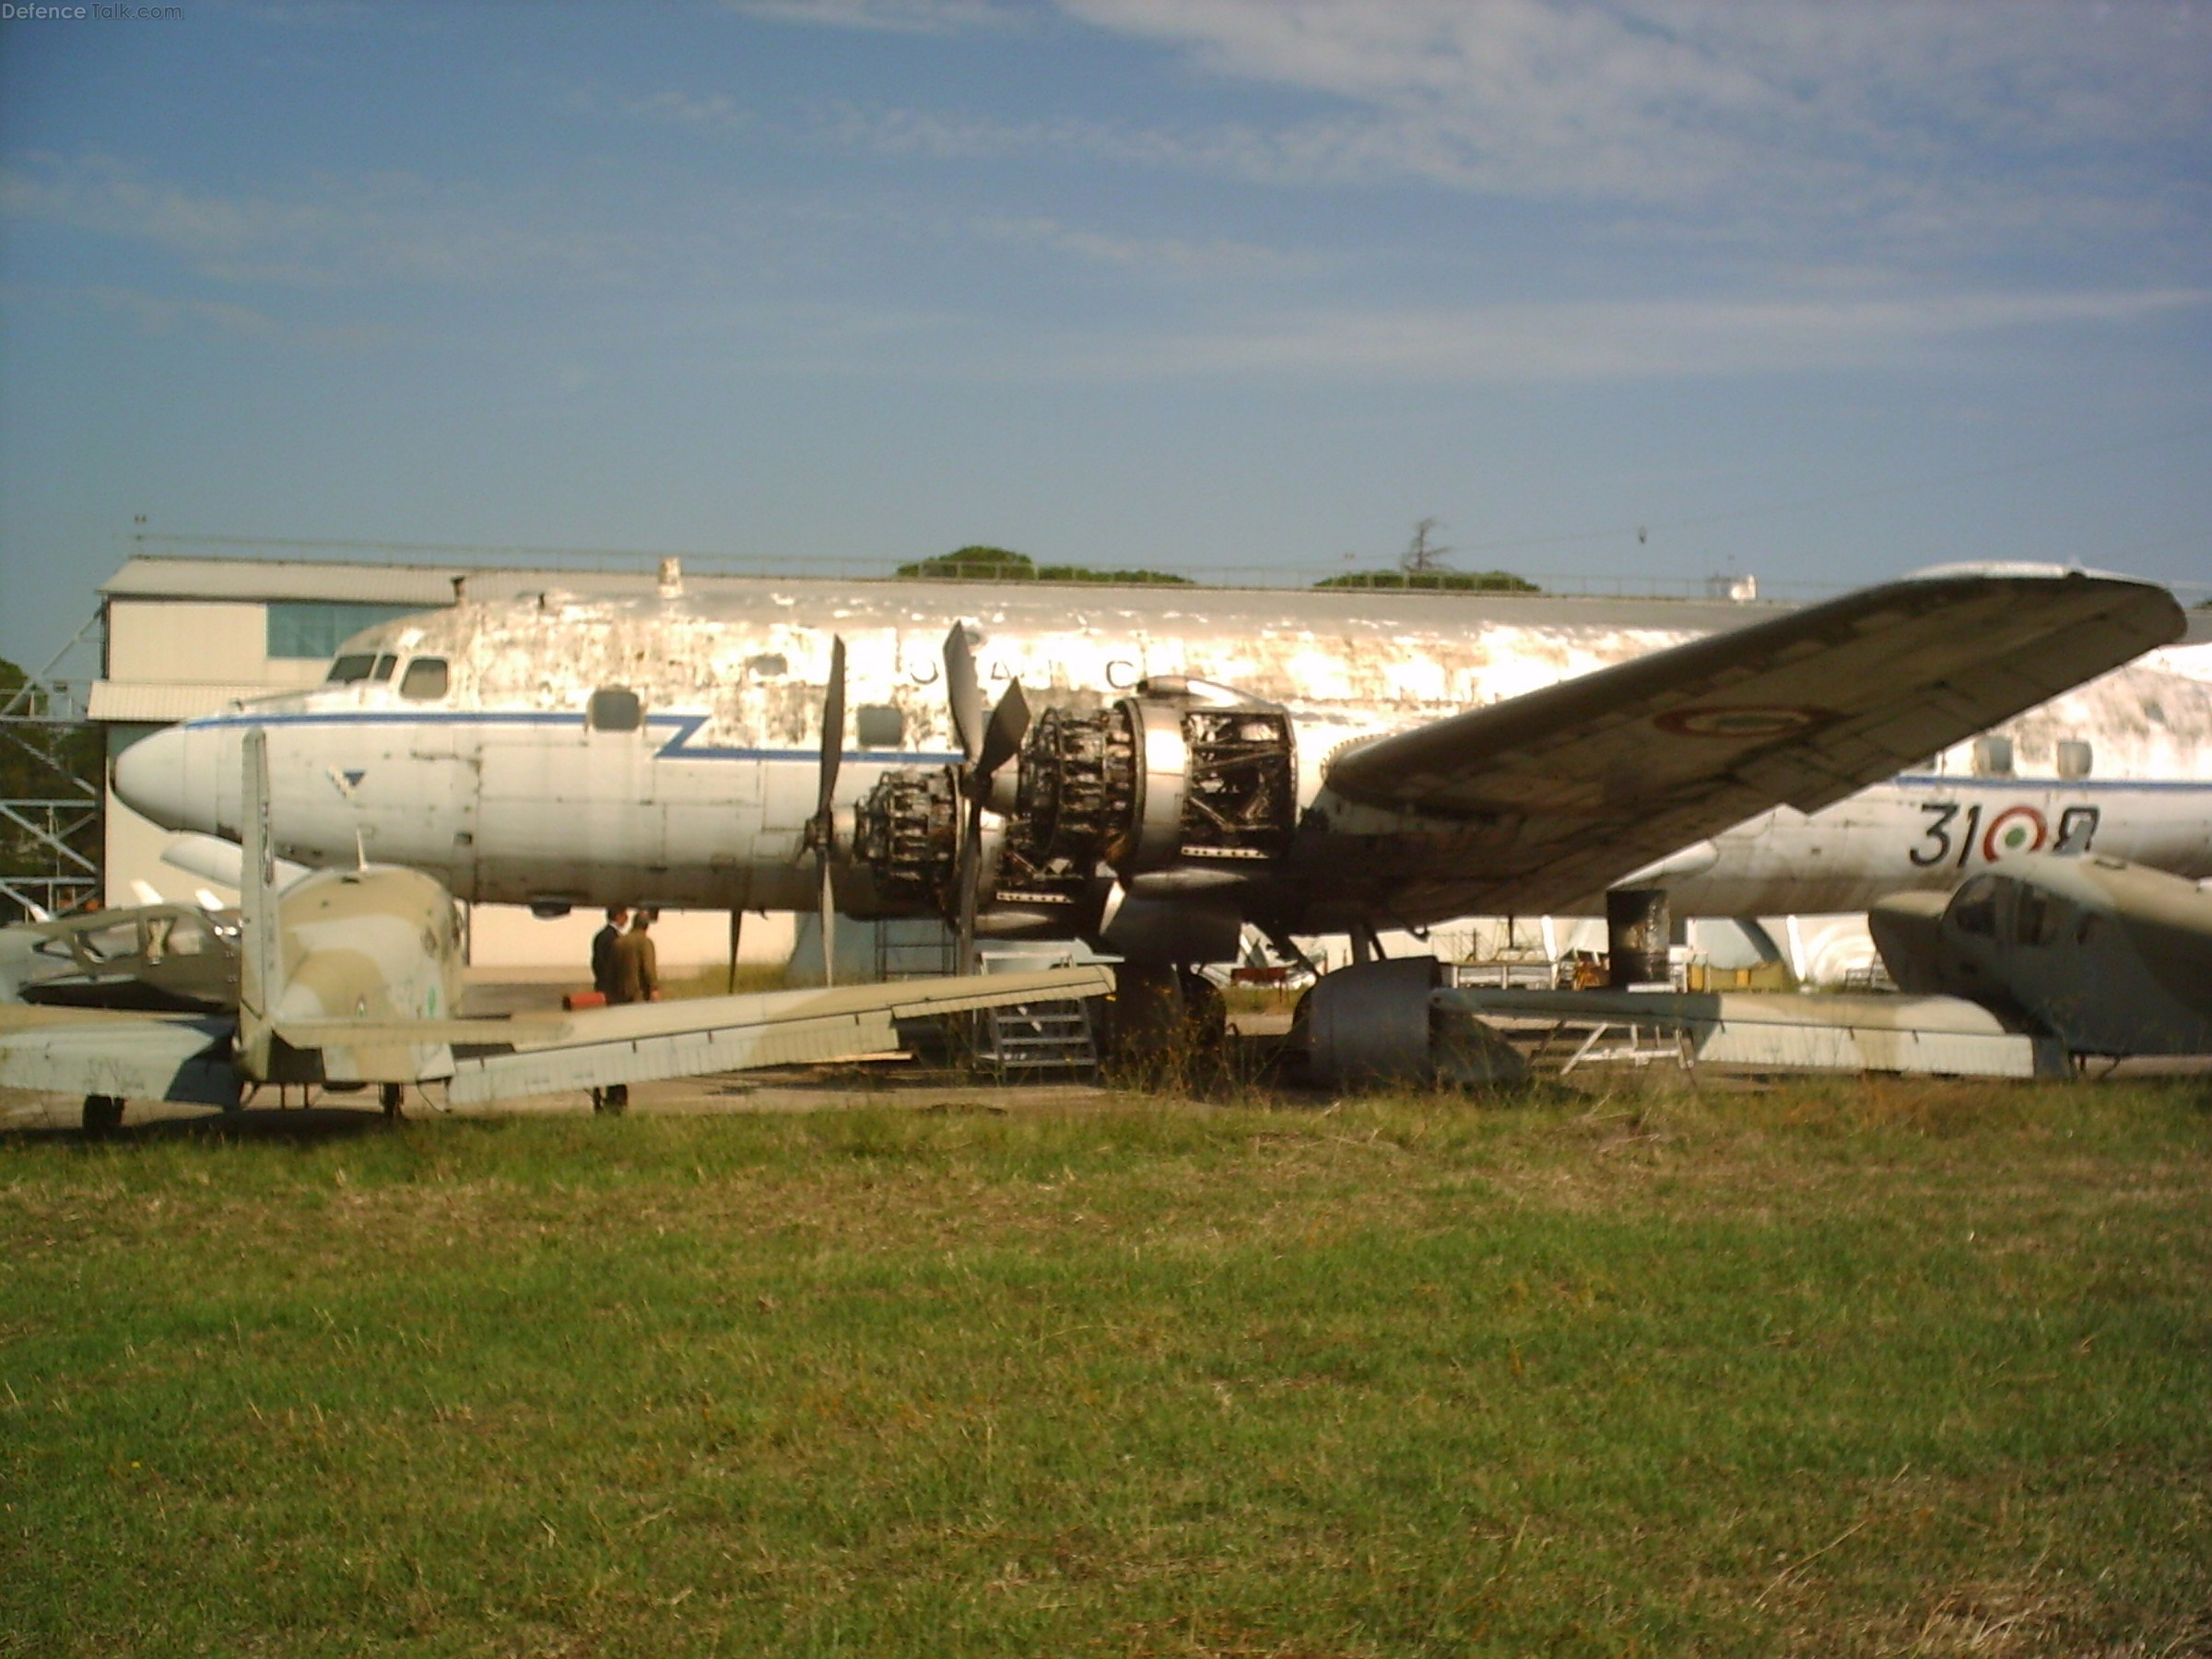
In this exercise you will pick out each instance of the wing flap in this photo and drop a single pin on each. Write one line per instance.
(646, 1041)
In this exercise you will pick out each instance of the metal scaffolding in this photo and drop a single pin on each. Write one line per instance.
(50, 832)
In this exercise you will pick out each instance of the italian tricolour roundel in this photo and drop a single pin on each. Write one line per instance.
(2015, 829)
(1740, 722)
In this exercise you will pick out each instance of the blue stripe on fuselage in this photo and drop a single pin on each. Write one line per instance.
(2060, 785)
(681, 729)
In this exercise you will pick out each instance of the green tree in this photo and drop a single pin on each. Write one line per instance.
(1002, 564)
(1455, 582)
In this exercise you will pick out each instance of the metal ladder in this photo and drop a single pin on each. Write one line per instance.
(909, 950)
(1038, 1036)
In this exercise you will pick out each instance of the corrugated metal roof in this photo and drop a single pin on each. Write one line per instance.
(264, 579)
(156, 702)
(159, 576)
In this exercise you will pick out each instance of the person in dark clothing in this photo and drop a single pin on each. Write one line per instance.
(636, 967)
(634, 975)
(603, 982)
(603, 951)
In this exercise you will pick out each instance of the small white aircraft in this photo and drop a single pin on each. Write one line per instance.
(350, 977)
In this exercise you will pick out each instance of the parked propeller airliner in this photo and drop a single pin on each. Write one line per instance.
(1159, 766)
(350, 978)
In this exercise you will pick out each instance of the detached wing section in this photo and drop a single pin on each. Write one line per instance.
(645, 1041)
(1567, 789)
(91, 1051)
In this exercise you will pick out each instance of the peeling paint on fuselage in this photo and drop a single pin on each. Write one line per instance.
(705, 804)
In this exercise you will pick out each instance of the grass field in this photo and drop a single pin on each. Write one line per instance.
(1841, 1368)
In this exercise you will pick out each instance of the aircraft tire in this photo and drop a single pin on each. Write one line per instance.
(392, 1095)
(104, 1115)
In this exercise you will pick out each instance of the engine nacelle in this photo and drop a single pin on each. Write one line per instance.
(1183, 775)
(1374, 1026)
(1184, 770)
(908, 831)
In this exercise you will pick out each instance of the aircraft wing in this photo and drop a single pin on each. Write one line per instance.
(506, 1059)
(1567, 789)
(134, 1057)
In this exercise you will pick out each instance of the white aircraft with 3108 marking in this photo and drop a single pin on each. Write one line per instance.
(1155, 767)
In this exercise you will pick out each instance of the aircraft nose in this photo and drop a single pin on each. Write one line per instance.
(156, 778)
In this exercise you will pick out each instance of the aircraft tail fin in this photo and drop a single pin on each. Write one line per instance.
(260, 943)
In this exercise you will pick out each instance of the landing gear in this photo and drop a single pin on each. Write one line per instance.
(613, 1100)
(104, 1115)
(392, 1095)
(1169, 1023)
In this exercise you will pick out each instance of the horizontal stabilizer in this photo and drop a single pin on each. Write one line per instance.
(128, 1056)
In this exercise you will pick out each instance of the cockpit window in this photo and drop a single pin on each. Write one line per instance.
(107, 944)
(425, 680)
(188, 935)
(1974, 911)
(352, 669)
(2040, 919)
(384, 665)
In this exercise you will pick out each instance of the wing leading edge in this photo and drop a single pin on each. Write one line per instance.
(1568, 788)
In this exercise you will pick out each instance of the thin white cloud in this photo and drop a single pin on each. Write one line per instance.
(339, 231)
(1936, 127)
(1166, 256)
(1648, 99)
(896, 16)
(1616, 340)
(714, 113)
(158, 315)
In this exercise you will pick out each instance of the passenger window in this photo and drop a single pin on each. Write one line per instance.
(614, 709)
(773, 662)
(881, 726)
(425, 680)
(351, 670)
(1974, 911)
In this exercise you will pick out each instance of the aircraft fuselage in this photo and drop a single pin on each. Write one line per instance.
(600, 751)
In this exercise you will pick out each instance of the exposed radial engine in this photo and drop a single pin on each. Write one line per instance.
(1184, 776)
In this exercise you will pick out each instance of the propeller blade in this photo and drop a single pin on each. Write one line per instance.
(833, 726)
(964, 692)
(971, 878)
(825, 819)
(1002, 739)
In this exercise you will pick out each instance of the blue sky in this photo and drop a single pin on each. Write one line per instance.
(1821, 292)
